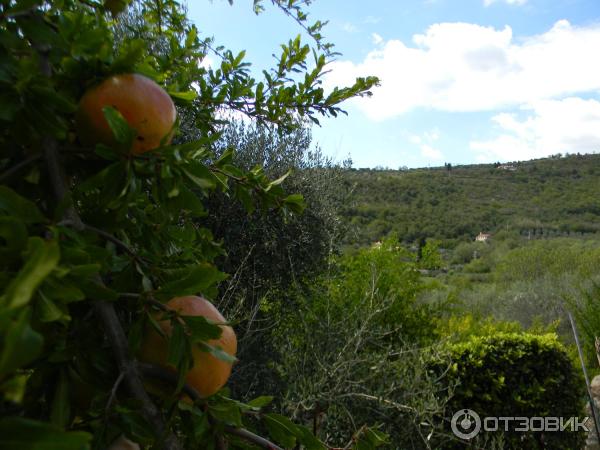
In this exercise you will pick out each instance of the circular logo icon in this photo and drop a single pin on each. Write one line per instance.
(466, 423)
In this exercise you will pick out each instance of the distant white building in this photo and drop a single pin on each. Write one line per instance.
(482, 237)
(510, 167)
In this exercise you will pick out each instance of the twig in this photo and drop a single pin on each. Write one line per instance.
(129, 295)
(109, 237)
(113, 393)
(228, 175)
(147, 299)
(19, 166)
(355, 437)
(396, 405)
(251, 437)
(597, 346)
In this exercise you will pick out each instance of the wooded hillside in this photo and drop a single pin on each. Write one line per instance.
(557, 195)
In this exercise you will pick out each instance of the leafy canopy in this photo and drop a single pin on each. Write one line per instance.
(93, 240)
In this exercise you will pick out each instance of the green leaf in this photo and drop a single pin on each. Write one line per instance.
(201, 329)
(178, 344)
(97, 291)
(130, 52)
(122, 132)
(194, 279)
(295, 202)
(15, 205)
(13, 389)
(281, 429)
(106, 152)
(225, 159)
(22, 345)
(63, 289)
(187, 201)
(33, 176)
(242, 193)
(278, 181)
(84, 270)
(113, 175)
(309, 440)
(370, 439)
(202, 426)
(217, 352)
(226, 411)
(180, 353)
(261, 402)
(47, 311)
(200, 175)
(41, 258)
(185, 96)
(26, 434)
(60, 412)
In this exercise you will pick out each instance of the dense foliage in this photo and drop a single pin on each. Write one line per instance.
(516, 375)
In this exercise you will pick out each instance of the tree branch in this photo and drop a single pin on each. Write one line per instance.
(113, 393)
(105, 310)
(12, 170)
(109, 237)
(251, 437)
(128, 366)
(159, 373)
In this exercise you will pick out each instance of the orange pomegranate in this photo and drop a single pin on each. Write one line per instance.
(209, 374)
(146, 107)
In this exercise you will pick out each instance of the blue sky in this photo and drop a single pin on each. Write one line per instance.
(463, 81)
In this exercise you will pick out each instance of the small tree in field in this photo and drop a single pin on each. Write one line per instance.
(95, 239)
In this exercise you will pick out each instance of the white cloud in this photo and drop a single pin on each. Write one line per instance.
(432, 135)
(377, 39)
(432, 153)
(425, 144)
(415, 139)
(510, 2)
(349, 27)
(468, 67)
(552, 126)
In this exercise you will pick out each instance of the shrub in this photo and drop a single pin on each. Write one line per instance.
(355, 345)
(515, 375)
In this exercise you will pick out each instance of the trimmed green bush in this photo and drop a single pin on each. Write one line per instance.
(515, 375)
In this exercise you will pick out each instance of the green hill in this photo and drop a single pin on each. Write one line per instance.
(544, 197)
